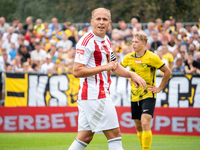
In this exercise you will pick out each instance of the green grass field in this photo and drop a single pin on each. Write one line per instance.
(62, 141)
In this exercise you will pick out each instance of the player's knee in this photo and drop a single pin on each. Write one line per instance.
(145, 125)
(88, 139)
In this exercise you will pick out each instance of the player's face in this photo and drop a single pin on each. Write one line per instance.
(137, 44)
(100, 22)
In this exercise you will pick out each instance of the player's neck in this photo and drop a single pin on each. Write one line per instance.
(140, 53)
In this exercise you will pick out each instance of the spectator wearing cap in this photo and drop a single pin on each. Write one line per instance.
(39, 25)
(65, 43)
(54, 23)
(38, 53)
(46, 33)
(29, 22)
(84, 30)
(20, 29)
(48, 65)
(3, 25)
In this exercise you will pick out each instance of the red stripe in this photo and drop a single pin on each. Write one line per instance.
(109, 42)
(84, 95)
(86, 39)
(102, 93)
(107, 51)
(98, 59)
(96, 78)
(109, 80)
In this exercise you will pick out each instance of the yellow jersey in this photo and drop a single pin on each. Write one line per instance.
(145, 66)
(169, 57)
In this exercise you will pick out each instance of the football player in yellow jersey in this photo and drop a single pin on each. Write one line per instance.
(144, 63)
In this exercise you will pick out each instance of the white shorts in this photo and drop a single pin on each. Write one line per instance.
(97, 115)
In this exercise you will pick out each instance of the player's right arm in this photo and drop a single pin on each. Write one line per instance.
(81, 71)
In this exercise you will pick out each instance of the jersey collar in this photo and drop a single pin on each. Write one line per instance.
(142, 55)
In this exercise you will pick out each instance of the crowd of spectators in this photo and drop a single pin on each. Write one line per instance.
(50, 47)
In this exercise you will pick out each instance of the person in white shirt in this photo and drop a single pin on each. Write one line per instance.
(14, 36)
(48, 66)
(64, 43)
(3, 25)
(38, 53)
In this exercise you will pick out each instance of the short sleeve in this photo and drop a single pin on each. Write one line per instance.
(124, 61)
(171, 59)
(82, 54)
(156, 62)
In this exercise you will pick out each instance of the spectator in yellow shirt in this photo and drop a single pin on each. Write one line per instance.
(39, 25)
(167, 56)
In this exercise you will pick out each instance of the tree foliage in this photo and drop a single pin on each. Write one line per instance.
(80, 10)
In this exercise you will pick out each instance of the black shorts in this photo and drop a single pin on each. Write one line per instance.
(145, 106)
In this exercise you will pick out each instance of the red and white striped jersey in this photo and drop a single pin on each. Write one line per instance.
(93, 51)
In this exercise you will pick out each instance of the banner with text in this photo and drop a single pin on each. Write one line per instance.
(169, 121)
(54, 90)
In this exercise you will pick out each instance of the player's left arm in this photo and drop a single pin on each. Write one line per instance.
(165, 78)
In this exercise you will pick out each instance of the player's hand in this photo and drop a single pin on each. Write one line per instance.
(154, 89)
(111, 66)
(138, 80)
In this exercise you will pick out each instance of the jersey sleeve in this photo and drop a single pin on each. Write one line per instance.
(82, 54)
(171, 59)
(156, 62)
(124, 62)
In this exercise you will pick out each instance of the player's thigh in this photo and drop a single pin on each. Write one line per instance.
(85, 136)
(112, 133)
(136, 110)
(148, 106)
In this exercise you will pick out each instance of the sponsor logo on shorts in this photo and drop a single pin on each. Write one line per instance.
(145, 110)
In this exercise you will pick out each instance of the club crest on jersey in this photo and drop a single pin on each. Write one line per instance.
(138, 61)
(79, 53)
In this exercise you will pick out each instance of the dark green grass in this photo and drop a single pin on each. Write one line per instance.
(62, 141)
